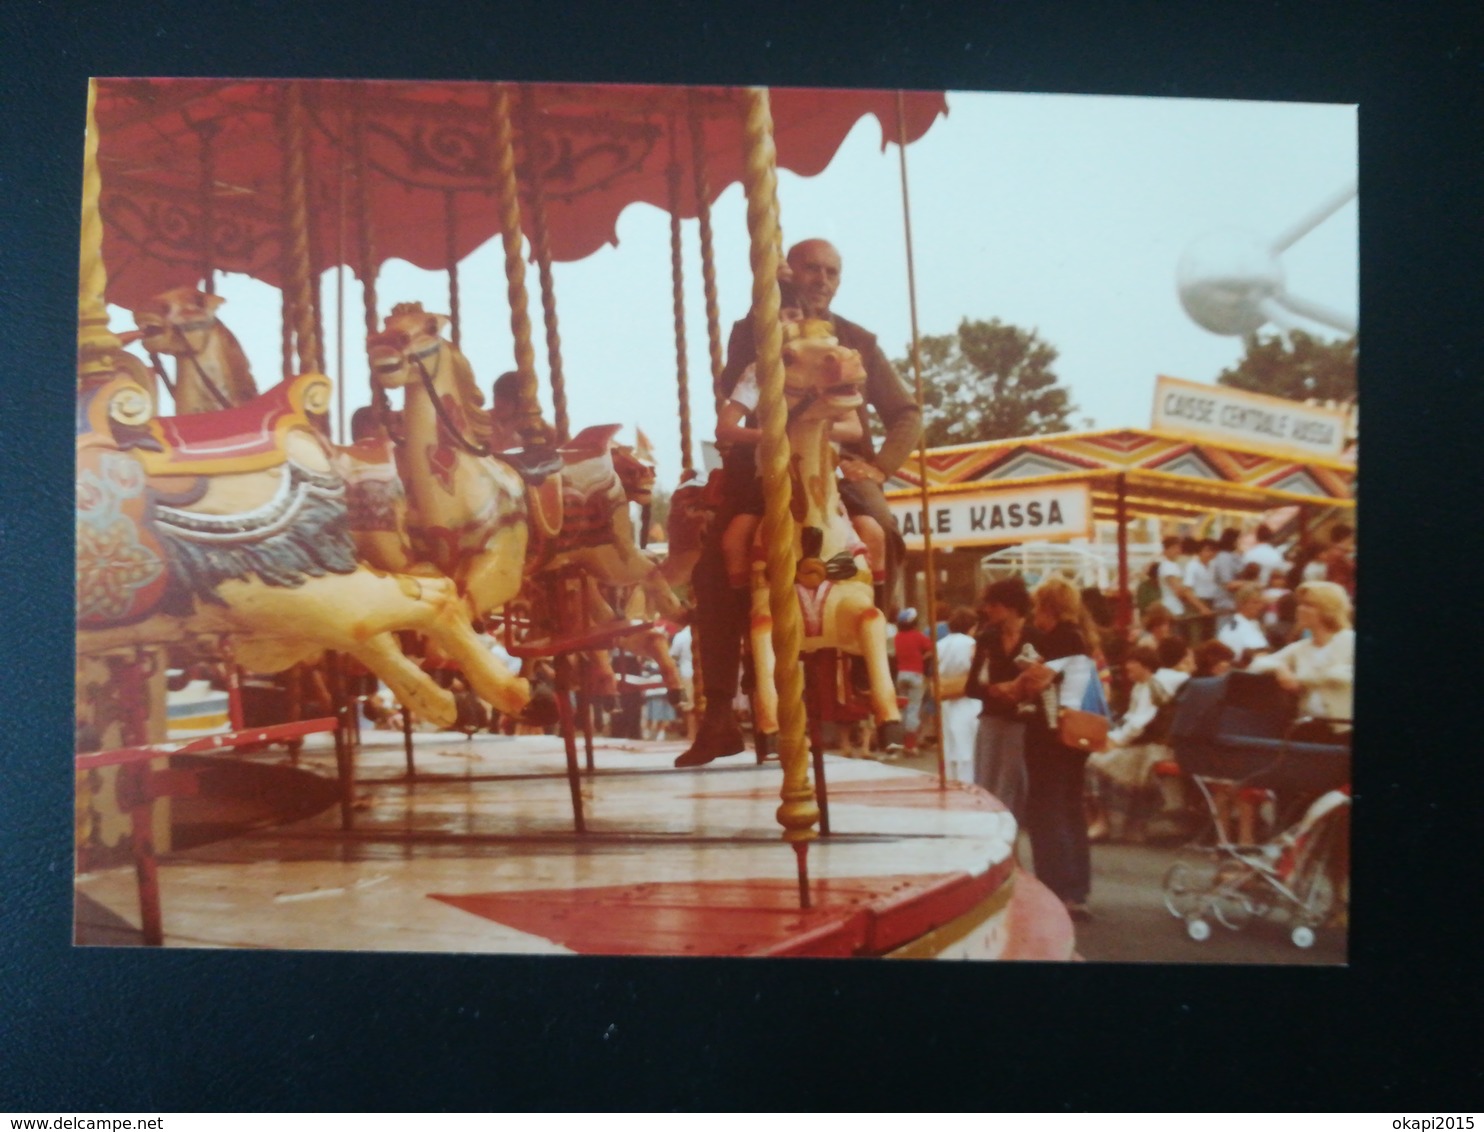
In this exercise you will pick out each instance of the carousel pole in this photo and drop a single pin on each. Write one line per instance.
(799, 811)
(340, 282)
(541, 246)
(451, 257)
(299, 273)
(713, 329)
(96, 344)
(206, 131)
(708, 257)
(928, 567)
(677, 284)
(1124, 613)
(507, 195)
(365, 245)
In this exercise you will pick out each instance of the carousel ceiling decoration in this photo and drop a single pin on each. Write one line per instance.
(193, 178)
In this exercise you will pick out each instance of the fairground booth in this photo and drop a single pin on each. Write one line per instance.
(1211, 457)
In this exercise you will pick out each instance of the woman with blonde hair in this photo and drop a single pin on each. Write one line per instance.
(1055, 818)
(1321, 665)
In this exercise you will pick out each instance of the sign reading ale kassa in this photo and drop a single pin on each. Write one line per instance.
(1247, 420)
(996, 516)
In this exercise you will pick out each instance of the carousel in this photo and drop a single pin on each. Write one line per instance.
(262, 530)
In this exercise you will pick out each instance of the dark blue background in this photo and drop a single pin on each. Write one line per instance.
(129, 1030)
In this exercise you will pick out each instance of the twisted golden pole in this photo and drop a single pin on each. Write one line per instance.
(365, 244)
(799, 811)
(677, 285)
(299, 272)
(206, 131)
(541, 245)
(708, 256)
(507, 197)
(95, 342)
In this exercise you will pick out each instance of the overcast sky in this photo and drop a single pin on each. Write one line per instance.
(1062, 213)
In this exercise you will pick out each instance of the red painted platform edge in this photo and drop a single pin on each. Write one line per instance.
(839, 939)
(1038, 927)
(896, 923)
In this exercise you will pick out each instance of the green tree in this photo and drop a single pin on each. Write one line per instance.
(989, 381)
(1298, 369)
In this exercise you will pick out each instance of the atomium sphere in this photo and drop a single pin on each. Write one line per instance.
(1223, 278)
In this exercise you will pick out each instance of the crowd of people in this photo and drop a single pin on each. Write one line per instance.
(1210, 608)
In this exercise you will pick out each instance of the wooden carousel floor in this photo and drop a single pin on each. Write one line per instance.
(477, 853)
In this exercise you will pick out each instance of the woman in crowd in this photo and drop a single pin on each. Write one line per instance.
(1213, 659)
(1321, 665)
(1244, 634)
(999, 747)
(1057, 823)
(1115, 775)
(959, 715)
(1158, 623)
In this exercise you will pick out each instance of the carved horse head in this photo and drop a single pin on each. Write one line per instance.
(179, 322)
(823, 380)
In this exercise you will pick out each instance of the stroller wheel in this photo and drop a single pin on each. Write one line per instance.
(1302, 936)
(1184, 891)
(1198, 930)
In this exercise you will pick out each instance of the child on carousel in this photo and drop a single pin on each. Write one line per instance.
(738, 435)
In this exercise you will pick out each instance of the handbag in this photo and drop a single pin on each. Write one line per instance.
(1082, 730)
(1085, 728)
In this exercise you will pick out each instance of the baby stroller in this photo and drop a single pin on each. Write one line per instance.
(1238, 731)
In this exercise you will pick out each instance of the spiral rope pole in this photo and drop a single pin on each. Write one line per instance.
(713, 328)
(799, 812)
(365, 245)
(340, 257)
(206, 186)
(299, 277)
(507, 197)
(677, 287)
(95, 342)
(708, 251)
(927, 533)
(541, 246)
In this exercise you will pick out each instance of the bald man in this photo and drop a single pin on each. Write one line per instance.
(814, 267)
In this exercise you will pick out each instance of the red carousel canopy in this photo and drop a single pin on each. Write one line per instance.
(179, 156)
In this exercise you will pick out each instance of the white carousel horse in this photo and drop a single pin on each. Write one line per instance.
(234, 523)
(211, 371)
(823, 383)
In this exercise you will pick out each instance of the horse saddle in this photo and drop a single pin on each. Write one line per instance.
(534, 464)
(246, 438)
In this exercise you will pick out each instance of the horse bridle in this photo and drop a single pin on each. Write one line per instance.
(202, 324)
(443, 417)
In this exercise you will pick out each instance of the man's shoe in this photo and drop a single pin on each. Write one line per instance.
(891, 737)
(713, 742)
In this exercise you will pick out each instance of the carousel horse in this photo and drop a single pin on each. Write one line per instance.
(692, 520)
(235, 523)
(823, 383)
(211, 371)
(467, 511)
(635, 468)
(471, 513)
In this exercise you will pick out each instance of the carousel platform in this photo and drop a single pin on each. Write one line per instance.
(477, 854)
